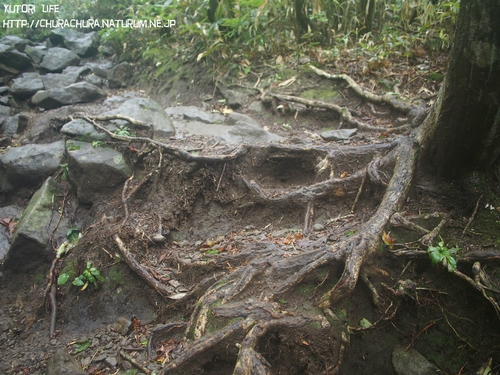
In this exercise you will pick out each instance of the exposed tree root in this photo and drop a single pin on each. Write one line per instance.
(224, 318)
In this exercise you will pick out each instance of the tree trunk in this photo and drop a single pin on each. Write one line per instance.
(462, 132)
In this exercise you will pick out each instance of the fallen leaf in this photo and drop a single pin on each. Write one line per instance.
(388, 240)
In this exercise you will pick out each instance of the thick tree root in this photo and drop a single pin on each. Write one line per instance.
(250, 362)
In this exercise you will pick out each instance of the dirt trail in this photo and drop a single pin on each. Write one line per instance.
(197, 227)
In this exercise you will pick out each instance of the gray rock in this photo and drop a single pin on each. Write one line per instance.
(195, 113)
(14, 41)
(93, 170)
(94, 80)
(81, 92)
(29, 247)
(5, 185)
(110, 361)
(9, 128)
(35, 53)
(33, 163)
(83, 130)
(244, 132)
(256, 107)
(235, 99)
(27, 85)
(70, 75)
(100, 72)
(338, 135)
(61, 363)
(120, 75)
(122, 325)
(83, 44)
(12, 212)
(56, 59)
(148, 111)
(234, 117)
(411, 362)
(11, 57)
(318, 227)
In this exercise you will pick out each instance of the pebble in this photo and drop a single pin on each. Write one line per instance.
(110, 361)
(318, 227)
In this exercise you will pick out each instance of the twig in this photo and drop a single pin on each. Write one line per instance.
(472, 216)
(359, 191)
(222, 174)
(53, 309)
(134, 362)
(58, 220)
(309, 217)
(431, 324)
(125, 199)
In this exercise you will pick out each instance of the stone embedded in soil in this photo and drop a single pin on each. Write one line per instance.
(29, 247)
(56, 59)
(234, 117)
(81, 92)
(33, 163)
(148, 111)
(83, 130)
(194, 113)
(120, 75)
(62, 363)
(11, 57)
(95, 170)
(11, 212)
(338, 135)
(411, 362)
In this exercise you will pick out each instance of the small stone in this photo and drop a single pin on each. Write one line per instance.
(122, 325)
(318, 227)
(338, 135)
(110, 361)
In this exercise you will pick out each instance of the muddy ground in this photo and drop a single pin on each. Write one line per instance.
(212, 225)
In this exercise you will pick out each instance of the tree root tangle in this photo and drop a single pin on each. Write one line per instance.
(227, 316)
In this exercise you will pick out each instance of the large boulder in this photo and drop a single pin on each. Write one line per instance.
(36, 53)
(11, 57)
(94, 170)
(27, 85)
(83, 44)
(30, 244)
(195, 113)
(33, 163)
(16, 42)
(56, 59)
(148, 111)
(81, 92)
(120, 76)
(83, 131)
(70, 75)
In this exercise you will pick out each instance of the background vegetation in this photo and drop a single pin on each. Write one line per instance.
(238, 31)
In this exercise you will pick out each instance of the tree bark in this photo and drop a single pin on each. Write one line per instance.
(462, 132)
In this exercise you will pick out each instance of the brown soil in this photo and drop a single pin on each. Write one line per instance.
(214, 225)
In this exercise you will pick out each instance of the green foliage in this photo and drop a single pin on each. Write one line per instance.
(123, 130)
(65, 172)
(212, 251)
(440, 254)
(96, 144)
(89, 276)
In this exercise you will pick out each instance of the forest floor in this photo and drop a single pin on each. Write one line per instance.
(214, 226)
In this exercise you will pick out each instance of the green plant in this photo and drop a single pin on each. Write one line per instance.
(96, 144)
(73, 147)
(89, 275)
(123, 130)
(440, 254)
(65, 172)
